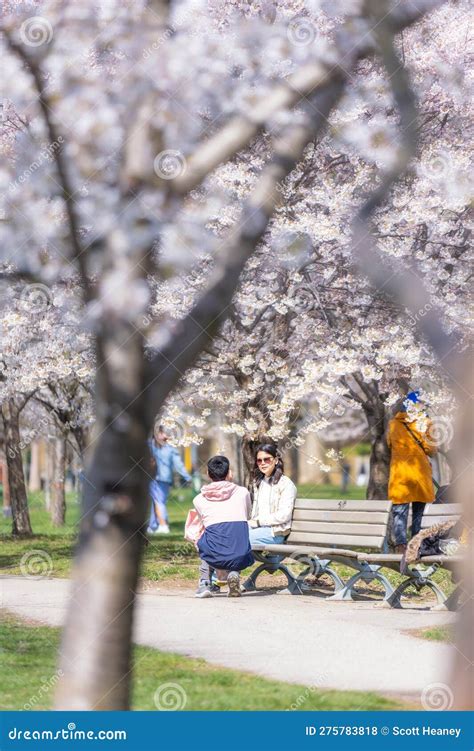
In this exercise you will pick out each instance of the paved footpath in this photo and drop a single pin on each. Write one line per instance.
(303, 639)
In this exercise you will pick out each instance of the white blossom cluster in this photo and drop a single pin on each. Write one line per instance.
(302, 321)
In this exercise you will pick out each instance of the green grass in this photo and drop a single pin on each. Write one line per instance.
(28, 666)
(330, 491)
(437, 633)
(167, 558)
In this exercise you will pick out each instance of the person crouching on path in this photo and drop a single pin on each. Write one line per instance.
(224, 509)
(410, 478)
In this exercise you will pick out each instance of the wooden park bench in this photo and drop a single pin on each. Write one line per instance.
(353, 533)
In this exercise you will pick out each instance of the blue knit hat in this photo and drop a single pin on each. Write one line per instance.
(413, 397)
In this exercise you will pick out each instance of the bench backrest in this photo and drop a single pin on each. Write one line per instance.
(435, 513)
(340, 524)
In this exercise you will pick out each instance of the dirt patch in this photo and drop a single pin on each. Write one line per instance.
(147, 586)
(423, 633)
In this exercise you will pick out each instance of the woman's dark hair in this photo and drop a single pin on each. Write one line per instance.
(269, 448)
(218, 467)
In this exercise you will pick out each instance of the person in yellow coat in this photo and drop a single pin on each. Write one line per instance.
(410, 478)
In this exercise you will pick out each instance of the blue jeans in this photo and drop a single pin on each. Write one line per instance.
(400, 520)
(159, 492)
(263, 536)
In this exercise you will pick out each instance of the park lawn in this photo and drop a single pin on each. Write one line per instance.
(167, 558)
(28, 665)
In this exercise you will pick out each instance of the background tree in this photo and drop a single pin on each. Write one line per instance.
(41, 345)
(315, 312)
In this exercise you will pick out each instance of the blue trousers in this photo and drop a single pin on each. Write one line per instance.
(263, 536)
(159, 492)
(400, 520)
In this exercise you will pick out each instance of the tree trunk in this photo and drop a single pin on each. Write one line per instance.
(249, 447)
(96, 643)
(294, 463)
(248, 453)
(7, 509)
(58, 496)
(21, 524)
(49, 475)
(462, 670)
(82, 437)
(379, 470)
(34, 480)
(240, 461)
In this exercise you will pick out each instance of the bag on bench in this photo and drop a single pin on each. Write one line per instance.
(436, 540)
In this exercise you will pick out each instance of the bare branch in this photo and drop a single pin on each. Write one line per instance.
(56, 138)
(351, 391)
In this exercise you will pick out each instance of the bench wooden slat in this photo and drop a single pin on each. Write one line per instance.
(291, 550)
(319, 504)
(364, 517)
(428, 521)
(332, 540)
(396, 558)
(334, 528)
(443, 509)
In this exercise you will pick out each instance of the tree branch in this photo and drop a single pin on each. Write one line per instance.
(402, 285)
(56, 138)
(196, 330)
(304, 83)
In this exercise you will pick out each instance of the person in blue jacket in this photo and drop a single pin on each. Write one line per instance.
(166, 460)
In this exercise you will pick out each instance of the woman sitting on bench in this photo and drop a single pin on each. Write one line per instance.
(274, 496)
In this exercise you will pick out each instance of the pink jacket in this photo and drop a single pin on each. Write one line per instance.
(223, 502)
(193, 528)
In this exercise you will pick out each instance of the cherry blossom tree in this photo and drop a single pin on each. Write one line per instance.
(119, 200)
(68, 402)
(305, 323)
(41, 346)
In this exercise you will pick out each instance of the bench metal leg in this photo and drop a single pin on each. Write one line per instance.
(250, 584)
(418, 581)
(366, 573)
(451, 603)
(294, 585)
(316, 567)
(323, 568)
